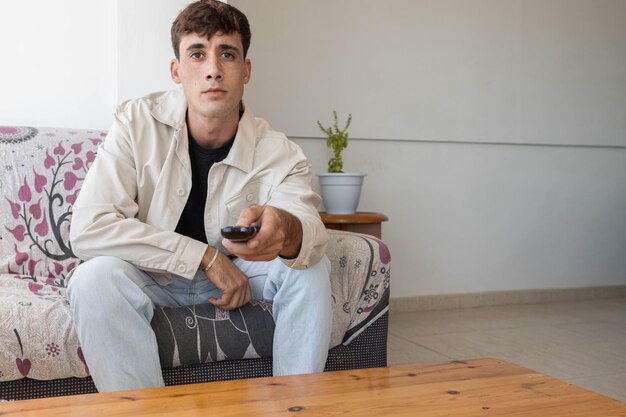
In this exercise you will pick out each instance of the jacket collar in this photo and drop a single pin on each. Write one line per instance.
(241, 155)
(170, 108)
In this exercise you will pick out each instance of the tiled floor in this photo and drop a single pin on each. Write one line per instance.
(583, 343)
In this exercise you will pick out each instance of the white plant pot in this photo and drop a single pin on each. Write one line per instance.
(341, 191)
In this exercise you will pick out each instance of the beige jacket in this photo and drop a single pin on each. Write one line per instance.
(135, 192)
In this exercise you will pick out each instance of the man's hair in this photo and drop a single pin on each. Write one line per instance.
(206, 18)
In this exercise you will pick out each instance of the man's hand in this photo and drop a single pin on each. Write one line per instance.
(280, 234)
(229, 279)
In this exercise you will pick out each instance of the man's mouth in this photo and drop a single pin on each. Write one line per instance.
(214, 90)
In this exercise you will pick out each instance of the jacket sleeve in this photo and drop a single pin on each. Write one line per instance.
(104, 219)
(295, 195)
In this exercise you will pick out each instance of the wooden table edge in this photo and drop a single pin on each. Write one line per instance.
(445, 383)
(359, 217)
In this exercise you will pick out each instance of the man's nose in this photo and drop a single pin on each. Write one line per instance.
(214, 70)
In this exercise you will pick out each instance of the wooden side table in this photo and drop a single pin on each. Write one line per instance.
(362, 222)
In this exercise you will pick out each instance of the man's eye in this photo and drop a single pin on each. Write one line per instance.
(228, 55)
(197, 55)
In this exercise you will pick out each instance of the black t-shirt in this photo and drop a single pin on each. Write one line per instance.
(191, 222)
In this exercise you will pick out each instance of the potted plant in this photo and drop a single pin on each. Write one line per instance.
(340, 190)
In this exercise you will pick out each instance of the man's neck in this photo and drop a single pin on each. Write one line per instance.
(212, 133)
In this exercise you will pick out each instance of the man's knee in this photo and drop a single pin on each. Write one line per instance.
(317, 276)
(106, 285)
(313, 280)
(95, 276)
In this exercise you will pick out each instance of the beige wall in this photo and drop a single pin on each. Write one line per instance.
(513, 71)
(445, 108)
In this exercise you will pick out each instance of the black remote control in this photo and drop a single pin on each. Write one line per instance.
(239, 233)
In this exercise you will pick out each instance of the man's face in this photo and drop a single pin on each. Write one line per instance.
(212, 73)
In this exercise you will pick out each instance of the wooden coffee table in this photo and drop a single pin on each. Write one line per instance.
(480, 387)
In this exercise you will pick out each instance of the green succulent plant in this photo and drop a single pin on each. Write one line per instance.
(337, 141)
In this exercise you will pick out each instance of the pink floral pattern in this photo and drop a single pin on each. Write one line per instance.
(50, 168)
(42, 171)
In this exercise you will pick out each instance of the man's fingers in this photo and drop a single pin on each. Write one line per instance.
(232, 300)
(224, 302)
(249, 215)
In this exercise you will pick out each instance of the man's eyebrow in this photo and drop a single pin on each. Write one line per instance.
(228, 47)
(196, 46)
(223, 47)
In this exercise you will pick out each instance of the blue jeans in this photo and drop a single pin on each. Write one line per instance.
(112, 303)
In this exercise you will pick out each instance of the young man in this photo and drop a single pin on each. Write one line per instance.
(174, 169)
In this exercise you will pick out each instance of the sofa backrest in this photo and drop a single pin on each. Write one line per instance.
(42, 171)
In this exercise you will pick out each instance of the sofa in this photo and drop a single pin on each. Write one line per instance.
(40, 356)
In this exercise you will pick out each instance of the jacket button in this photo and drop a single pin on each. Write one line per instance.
(180, 192)
(250, 197)
(181, 268)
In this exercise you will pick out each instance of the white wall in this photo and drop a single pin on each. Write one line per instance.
(471, 217)
(144, 46)
(68, 63)
(463, 217)
(58, 63)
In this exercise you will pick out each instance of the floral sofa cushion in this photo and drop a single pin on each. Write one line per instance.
(42, 170)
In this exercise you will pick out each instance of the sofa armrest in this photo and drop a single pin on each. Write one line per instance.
(360, 280)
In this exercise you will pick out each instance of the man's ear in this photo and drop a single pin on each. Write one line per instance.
(246, 79)
(174, 71)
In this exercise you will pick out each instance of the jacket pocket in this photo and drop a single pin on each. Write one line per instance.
(254, 193)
